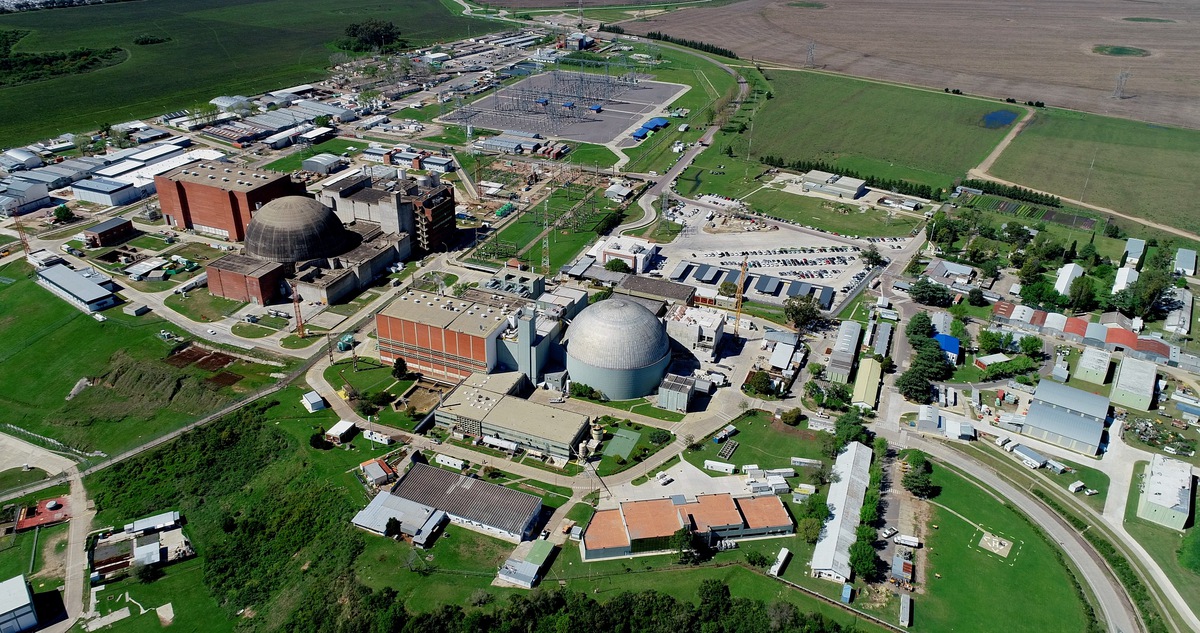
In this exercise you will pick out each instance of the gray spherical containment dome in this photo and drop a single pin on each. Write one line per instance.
(295, 229)
(619, 348)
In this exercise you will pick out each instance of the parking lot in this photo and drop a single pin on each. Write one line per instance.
(784, 251)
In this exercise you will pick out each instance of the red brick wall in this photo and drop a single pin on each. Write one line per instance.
(191, 203)
(239, 287)
(430, 349)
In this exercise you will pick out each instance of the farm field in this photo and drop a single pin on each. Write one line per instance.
(1045, 56)
(1134, 168)
(974, 580)
(875, 129)
(124, 351)
(218, 47)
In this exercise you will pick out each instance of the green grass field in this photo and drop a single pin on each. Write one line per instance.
(763, 442)
(1135, 168)
(371, 378)
(218, 47)
(875, 129)
(845, 219)
(335, 146)
(46, 346)
(181, 587)
(975, 581)
(17, 477)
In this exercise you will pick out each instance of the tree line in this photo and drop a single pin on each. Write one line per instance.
(21, 68)
(696, 44)
(1014, 192)
(902, 187)
(372, 35)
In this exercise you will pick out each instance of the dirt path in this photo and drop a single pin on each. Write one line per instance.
(54, 561)
(1008, 138)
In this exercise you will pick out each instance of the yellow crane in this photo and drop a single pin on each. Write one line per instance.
(741, 283)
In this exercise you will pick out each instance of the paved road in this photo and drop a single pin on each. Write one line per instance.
(1114, 603)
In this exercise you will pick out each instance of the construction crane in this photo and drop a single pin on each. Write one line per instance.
(296, 307)
(21, 233)
(741, 283)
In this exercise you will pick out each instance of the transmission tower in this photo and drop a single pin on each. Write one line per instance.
(811, 62)
(1119, 91)
(546, 241)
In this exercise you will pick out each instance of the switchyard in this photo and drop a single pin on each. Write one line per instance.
(592, 107)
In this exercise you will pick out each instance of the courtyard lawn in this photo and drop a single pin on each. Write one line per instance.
(840, 218)
(202, 306)
(876, 129)
(353, 307)
(181, 587)
(250, 330)
(335, 146)
(974, 580)
(1133, 167)
(761, 441)
(640, 406)
(590, 155)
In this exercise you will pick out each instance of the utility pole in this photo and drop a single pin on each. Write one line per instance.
(329, 341)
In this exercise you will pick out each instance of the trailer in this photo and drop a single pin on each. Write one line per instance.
(907, 541)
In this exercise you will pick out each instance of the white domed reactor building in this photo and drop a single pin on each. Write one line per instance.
(619, 348)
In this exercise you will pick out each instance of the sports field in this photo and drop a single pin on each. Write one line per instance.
(876, 129)
(216, 47)
(1135, 168)
(975, 580)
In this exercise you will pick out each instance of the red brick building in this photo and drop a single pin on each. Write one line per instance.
(109, 232)
(243, 278)
(439, 335)
(219, 198)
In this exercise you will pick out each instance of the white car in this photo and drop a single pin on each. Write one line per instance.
(211, 331)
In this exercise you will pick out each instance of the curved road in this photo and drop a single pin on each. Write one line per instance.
(1114, 603)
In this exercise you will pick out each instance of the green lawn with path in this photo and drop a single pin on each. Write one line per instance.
(202, 306)
(335, 146)
(181, 586)
(973, 580)
(840, 218)
(762, 441)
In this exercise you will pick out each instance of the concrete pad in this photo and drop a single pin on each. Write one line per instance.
(115, 616)
(15, 453)
(327, 320)
(166, 614)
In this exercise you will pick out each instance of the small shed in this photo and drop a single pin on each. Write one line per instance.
(312, 402)
(341, 432)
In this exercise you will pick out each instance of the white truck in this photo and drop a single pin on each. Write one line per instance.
(906, 540)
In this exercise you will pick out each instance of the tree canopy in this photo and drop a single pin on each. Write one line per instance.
(803, 312)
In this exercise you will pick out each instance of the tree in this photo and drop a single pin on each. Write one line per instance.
(849, 428)
(146, 574)
(759, 383)
(756, 558)
(809, 529)
(400, 369)
(63, 214)
(863, 560)
(1031, 271)
(1031, 346)
(371, 35)
(322, 120)
(803, 312)
(617, 265)
(928, 293)
(659, 437)
(976, 298)
(393, 528)
(580, 390)
(990, 342)
(872, 257)
(919, 483)
(914, 387)
(728, 289)
(792, 417)
(816, 369)
(887, 365)
(318, 441)
(919, 326)
(1082, 294)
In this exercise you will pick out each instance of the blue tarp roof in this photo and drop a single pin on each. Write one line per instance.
(640, 132)
(656, 123)
(947, 343)
(596, 108)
